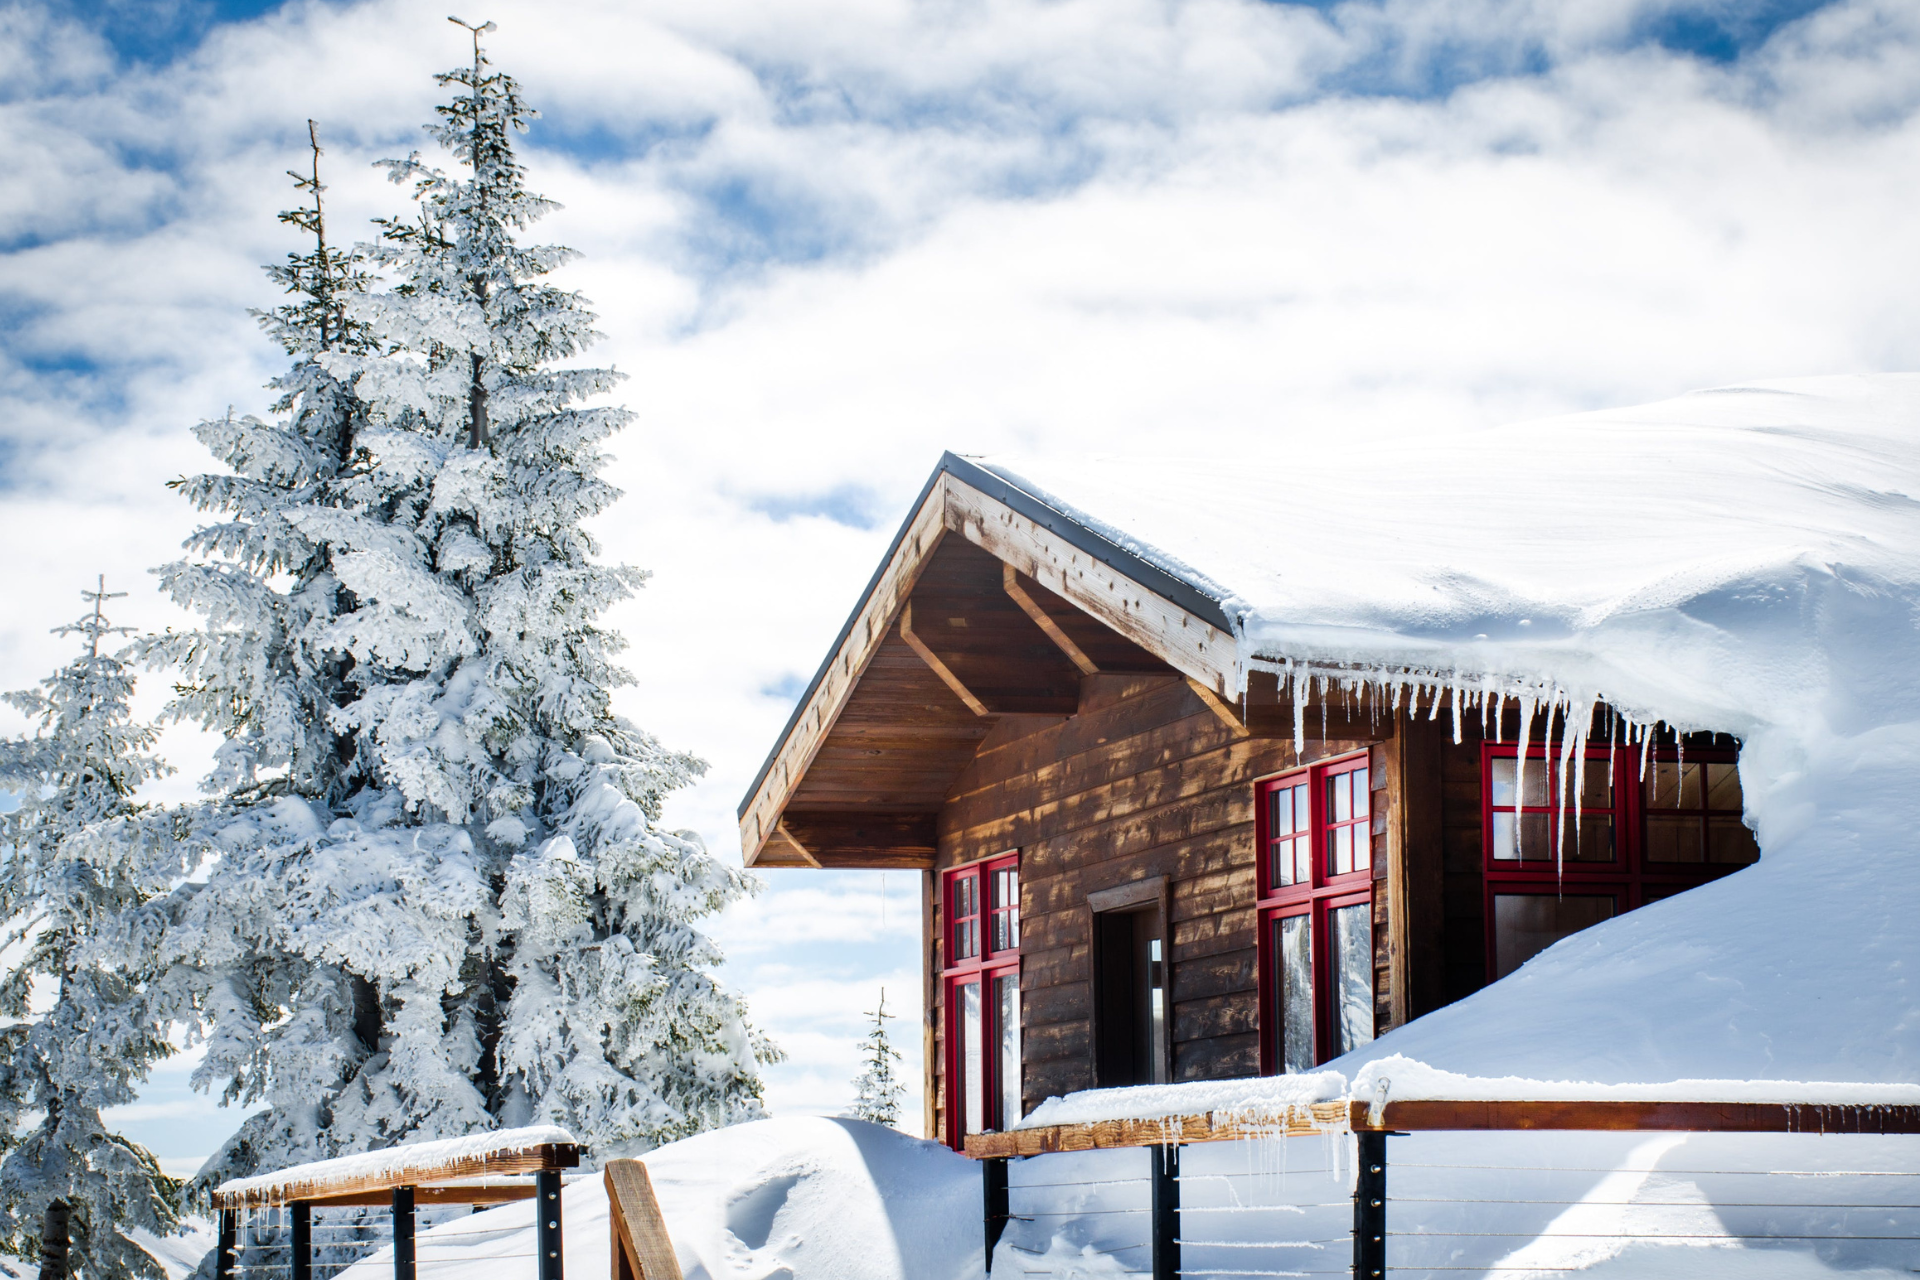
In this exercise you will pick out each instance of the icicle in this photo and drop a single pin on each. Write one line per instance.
(1457, 695)
(1520, 776)
(1299, 710)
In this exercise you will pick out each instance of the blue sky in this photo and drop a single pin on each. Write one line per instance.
(830, 238)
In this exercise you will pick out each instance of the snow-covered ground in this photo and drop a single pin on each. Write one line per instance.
(801, 1199)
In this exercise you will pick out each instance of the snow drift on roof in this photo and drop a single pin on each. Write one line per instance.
(1744, 560)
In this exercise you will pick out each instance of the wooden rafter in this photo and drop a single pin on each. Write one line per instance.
(806, 854)
(1010, 580)
(940, 668)
(1217, 705)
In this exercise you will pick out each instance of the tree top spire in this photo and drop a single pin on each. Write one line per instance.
(95, 624)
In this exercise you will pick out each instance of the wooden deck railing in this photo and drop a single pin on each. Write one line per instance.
(491, 1168)
(1371, 1122)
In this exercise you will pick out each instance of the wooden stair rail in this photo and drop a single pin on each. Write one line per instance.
(641, 1248)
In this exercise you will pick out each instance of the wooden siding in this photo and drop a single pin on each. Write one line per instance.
(1145, 780)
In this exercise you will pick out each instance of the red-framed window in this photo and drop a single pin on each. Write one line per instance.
(981, 981)
(1551, 873)
(1313, 828)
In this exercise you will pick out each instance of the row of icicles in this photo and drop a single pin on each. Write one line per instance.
(1383, 690)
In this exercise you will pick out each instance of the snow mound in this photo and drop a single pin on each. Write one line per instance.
(799, 1199)
(1265, 1096)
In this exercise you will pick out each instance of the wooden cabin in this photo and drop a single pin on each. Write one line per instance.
(1134, 873)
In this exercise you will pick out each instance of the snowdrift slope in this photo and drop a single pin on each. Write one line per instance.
(801, 1199)
(1744, 560)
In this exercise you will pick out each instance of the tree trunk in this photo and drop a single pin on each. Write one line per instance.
(54, 1242)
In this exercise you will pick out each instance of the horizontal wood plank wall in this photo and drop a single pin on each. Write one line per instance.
(1145, 780)
(1464, 939)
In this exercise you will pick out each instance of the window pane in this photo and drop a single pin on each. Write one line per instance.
(1340, 797)
(1280, 817)
(1339, 851)
(1293, 962)
(1673, 838)
(1350, 933)
(1674, 786)
(1723, 787)
(972, 1058)
(1729, 841)
(1302, 859)
(1533, 782)
(1282, 869)
(1006, 990)
(1593, 838)
(1361, 796)
(1525, 924)
(1596, 786)
(1362, 847)
(1006, 909)
(1517, 836)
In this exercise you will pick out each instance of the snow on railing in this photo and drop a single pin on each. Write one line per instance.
(1201, 1203)
(277, 1212)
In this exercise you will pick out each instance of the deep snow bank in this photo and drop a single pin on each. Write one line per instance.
(1744, 560)
(801, 1199)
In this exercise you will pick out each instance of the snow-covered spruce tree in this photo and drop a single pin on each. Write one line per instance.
(79, 856)
(458, 898)
(877, 1089)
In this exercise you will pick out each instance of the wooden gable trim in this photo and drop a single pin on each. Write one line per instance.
(1070, 561)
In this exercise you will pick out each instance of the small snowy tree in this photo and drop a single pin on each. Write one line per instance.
(79, 857)
(442, 901)
(877, 1089)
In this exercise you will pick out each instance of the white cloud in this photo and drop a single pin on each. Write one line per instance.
(829, 240)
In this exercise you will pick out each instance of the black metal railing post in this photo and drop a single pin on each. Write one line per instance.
(223, 1262)
(301, 1262)
(994, 1203)
(1370, 1207)
(403, 1268)
(546, 1233)
(1165, 1179)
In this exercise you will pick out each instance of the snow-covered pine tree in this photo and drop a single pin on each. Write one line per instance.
(877, 1089)
(465, 906)
(79, 856)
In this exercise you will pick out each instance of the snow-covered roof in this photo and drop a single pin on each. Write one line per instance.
(1744, 559)
(1684, 558)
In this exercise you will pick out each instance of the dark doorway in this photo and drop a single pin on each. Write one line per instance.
(1130, 998)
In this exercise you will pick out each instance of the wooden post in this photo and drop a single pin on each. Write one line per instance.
(229, 1241)
(1370, 1207)
(403, 1268)
(302, 1245)
(993, 1186)
(546, 1222)
(641, 1249)
(1165, 1215)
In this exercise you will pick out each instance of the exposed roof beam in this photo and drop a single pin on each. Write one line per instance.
(1010, 579)
(806, 855)
(1217, 705)
(940, 668)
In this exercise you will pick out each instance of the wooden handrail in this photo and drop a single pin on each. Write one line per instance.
(1418, 1114)
(1432, 1114)
(428, 1164)
(1211, 1126)
(641, 1248)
